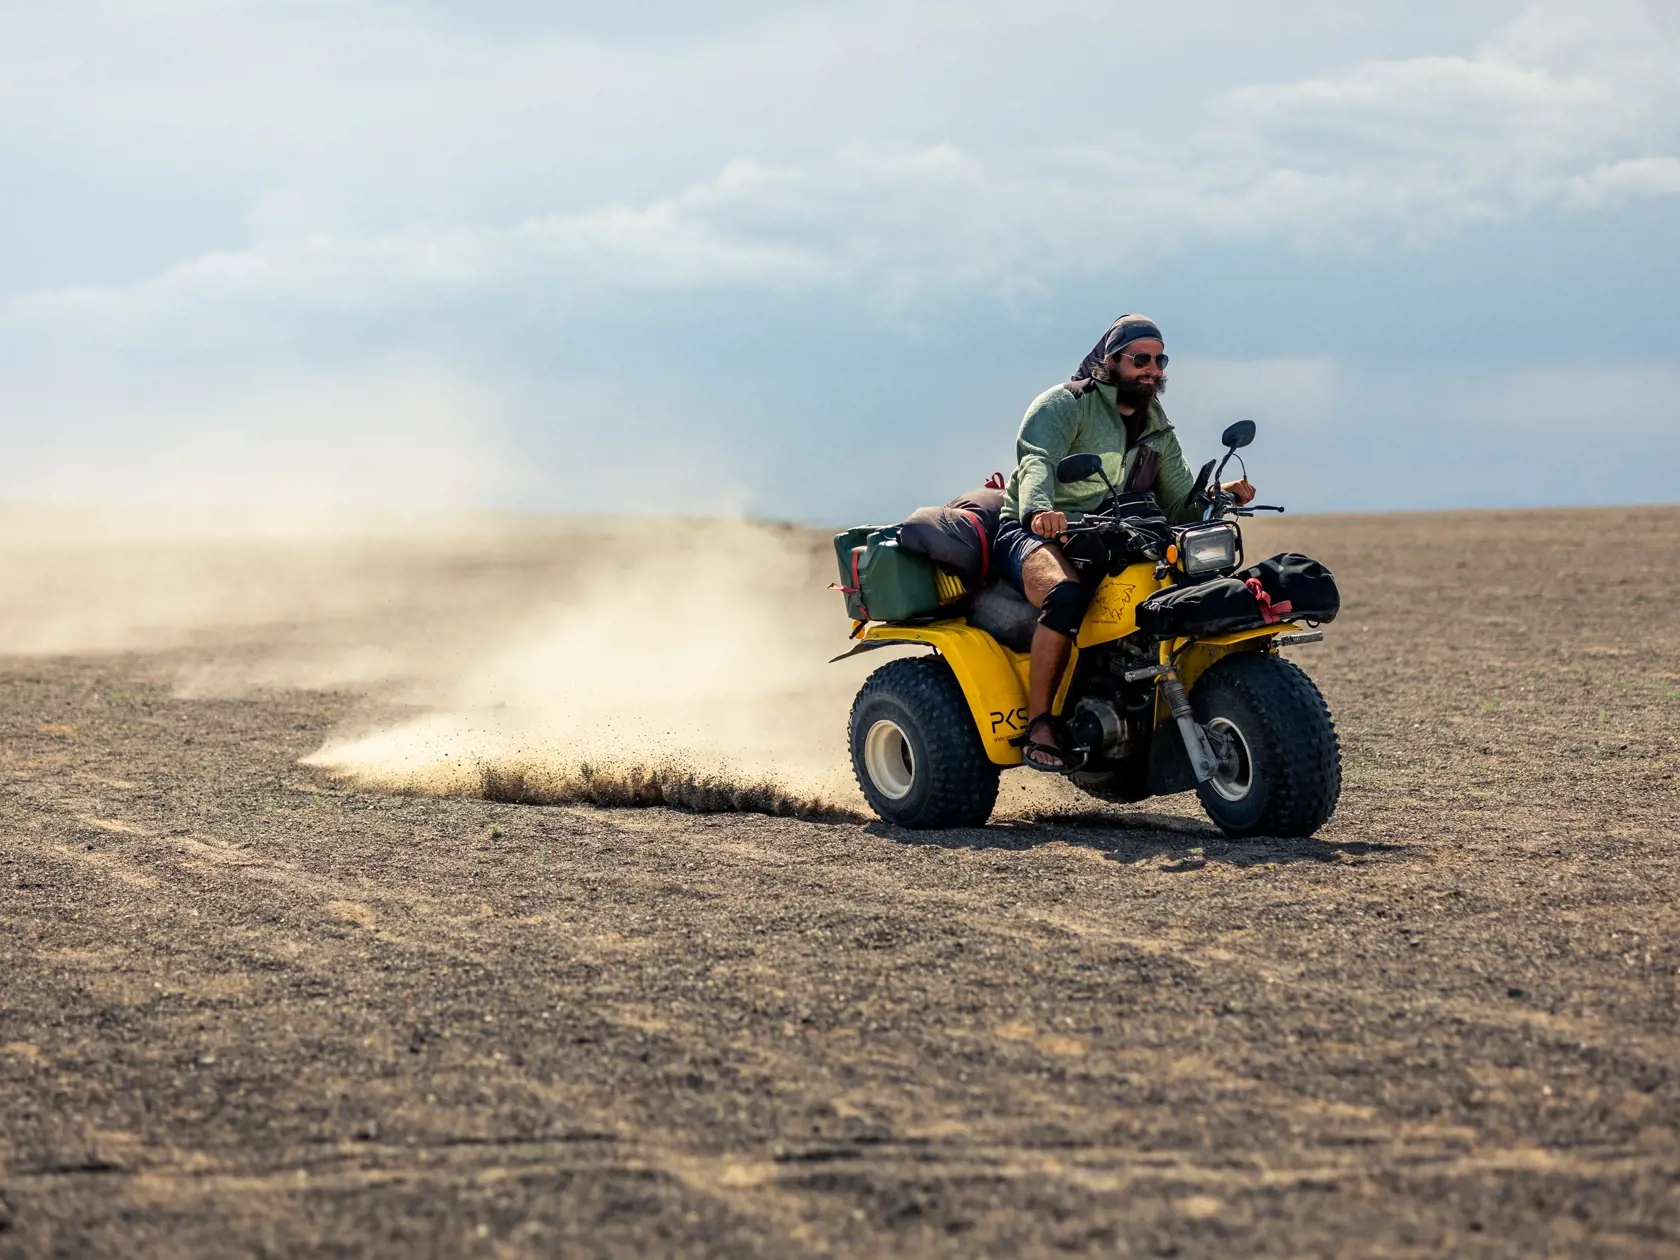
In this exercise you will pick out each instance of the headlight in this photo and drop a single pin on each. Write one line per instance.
(1207, 549)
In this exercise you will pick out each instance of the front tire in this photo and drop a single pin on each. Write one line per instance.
(915, 749)
(1281, 764)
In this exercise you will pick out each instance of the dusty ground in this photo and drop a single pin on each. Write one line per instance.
(248, 1011)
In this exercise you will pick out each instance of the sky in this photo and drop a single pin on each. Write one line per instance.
(813, 260)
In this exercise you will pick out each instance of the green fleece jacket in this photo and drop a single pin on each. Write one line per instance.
(1058, 424)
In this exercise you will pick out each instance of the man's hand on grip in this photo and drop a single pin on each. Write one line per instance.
(1049, 524)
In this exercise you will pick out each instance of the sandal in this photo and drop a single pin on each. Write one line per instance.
(1029, 746)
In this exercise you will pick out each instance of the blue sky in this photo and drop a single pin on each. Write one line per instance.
(813, 260)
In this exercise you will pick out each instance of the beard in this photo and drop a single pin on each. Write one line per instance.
(1137, 394)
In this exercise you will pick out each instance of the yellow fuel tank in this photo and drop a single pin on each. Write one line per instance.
(1113, 611)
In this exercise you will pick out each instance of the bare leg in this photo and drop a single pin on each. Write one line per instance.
(1050, 651)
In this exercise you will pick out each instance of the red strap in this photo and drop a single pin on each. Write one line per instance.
(985, 543)
(1270, 613)
(995, 481)
(857, 582)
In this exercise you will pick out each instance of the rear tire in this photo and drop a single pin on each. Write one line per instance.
(915, 749)
(1282, 770)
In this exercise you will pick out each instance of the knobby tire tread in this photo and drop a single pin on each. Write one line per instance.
(1295, 723)
(962, 781)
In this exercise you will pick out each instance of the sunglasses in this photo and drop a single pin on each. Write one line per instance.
(1143, 360)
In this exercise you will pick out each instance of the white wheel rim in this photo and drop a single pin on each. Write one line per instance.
(889, 760)
(1234, 778)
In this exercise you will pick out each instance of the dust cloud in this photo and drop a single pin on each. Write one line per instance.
(546, 660)
(542, 660)
(679, 663)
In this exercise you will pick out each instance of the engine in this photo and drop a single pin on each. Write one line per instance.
(1097, 725)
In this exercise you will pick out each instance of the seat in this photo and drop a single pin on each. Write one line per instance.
(1004, 613)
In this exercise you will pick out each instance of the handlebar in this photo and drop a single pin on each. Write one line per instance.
(1088, 526)
(1220, 505)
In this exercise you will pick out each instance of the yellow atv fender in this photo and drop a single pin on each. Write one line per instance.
(1196, 656)
(993, 679)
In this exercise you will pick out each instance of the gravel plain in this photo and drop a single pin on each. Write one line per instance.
(249, 1008)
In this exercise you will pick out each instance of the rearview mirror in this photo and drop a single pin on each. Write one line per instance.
(1239, 434)
(1079, 468)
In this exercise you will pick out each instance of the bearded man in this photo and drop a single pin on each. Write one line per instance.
(1111, 408)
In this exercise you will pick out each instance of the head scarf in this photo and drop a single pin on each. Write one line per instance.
(1121, 333)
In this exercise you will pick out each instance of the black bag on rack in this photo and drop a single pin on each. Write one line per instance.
(1287, 587)
(1301, 582)
(1215, 606)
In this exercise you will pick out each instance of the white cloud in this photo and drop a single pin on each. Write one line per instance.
(663, 246)
(1632, 177)
(396, 163)
(1400, 149)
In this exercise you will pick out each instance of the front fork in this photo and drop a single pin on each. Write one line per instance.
(1199, 747)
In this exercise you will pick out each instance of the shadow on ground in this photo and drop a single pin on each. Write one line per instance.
(1139, 837)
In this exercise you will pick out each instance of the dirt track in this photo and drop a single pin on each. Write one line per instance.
(248, 1011)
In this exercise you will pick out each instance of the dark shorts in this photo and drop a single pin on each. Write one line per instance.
(1088, 553)
(1015, 542)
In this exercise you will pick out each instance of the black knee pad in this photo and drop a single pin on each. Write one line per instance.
(1064, 608)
